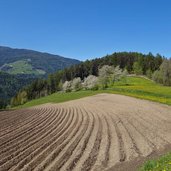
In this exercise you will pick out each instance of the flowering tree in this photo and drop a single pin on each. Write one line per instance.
(105, 73)
(66, 86)
(91, 82)
(76, 84)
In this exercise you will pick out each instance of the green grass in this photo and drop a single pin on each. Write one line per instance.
(58, 98)
(22, 67)
(144, 89)
(162, 164)
(135, 86)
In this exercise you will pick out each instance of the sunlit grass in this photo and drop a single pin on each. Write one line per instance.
(133, 86)
(162, 164)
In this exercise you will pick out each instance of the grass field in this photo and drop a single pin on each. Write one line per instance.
(162, 164)
(134, 86)
(22, 67)
(144, 89)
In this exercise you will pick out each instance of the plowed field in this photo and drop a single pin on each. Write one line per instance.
(93, 133)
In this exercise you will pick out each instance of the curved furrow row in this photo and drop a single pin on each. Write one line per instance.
(108, 145)
(144, 144)
(130, 134)
(90, 161)
(10, 157)
(6, 141)
(17, 116)
(62, 142)
(153, 124)
(22, 153)
(121, 143)
(103, 155)
(153, 134)
(131, 150)
(116, 151)
(79, 150)
(31, 137)
(91, 141)
(24, 123)
(65, 154)
(21, 116)
(41, 152)
(11, 116)
(33, 148)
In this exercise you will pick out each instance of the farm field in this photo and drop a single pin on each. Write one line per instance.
(101, 132)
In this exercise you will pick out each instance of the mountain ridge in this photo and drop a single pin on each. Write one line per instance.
(48, 63)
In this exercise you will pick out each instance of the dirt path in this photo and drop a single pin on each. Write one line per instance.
(102, 132)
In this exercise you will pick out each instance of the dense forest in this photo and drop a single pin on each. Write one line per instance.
(133, 62)
(10, 85)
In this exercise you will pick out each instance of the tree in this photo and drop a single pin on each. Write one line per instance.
(163, 75)
(149, 73)
(91, 82)
(76, 84)
(137, 68)
(116, 74)
(67, 86)
(105, 73)
(51, 83)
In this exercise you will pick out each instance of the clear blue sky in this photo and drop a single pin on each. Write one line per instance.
(87, 28)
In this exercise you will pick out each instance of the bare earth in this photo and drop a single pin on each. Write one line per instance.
(102, 132)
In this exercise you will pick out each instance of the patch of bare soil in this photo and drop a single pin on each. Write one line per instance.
(102, 132)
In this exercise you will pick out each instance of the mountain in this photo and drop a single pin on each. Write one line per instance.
(30, 62)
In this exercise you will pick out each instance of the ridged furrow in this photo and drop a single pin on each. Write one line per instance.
(62, 142)
(36, 157)
(30, 137)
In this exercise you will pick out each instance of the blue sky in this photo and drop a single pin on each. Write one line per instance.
(87, 28)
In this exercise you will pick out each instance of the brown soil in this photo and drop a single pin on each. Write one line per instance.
(102, 132)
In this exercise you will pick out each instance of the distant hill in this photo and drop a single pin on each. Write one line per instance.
(23, 61)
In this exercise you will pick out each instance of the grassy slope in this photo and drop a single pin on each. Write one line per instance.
(23, 67)
(58, 98)
(144, 89)
(162, 164)
(136, 87)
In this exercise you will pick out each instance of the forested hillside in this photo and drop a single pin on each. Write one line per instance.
(23, 61)
(10, 85)
(133, 62)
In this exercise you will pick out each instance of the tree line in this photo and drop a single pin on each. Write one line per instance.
(132, 62)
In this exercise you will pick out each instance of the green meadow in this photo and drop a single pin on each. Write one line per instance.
(138, 87)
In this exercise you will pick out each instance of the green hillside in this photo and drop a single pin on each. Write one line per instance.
(19, 61)
(135, 86)
(10, 85)
(21, 67)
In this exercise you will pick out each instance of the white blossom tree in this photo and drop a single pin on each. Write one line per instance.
(91, 82)
(105, 73)
(66, 86)
(116, 74)
(76, 84)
